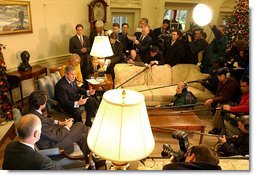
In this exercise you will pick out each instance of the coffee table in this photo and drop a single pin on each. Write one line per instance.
(187, 121)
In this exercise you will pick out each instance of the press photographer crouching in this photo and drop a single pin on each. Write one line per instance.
(199, 157)
(237, 145)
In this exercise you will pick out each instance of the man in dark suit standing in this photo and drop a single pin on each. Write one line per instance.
(117, 49)
(80, 45)
(175, 49)
(143, 43)
(22, 155)
(58, 134)
(74, 99)
(161, 33)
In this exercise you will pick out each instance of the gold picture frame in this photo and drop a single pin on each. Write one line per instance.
(15, 17)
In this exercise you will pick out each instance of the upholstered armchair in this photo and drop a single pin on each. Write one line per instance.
(47, 84)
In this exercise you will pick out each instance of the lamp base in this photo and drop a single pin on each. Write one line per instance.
(118, 165)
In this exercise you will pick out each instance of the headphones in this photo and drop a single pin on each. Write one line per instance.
(224, 71)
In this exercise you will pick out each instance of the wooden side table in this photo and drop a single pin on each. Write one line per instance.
(14, 78)
(103, 87)
(7, 131)
(182, 121)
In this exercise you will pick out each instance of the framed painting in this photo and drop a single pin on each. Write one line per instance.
(15, 17)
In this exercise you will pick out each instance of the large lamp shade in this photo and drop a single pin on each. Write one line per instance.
(121, 131)
(101, 47)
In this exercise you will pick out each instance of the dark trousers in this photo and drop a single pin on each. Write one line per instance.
(90, 107)
(78, 134)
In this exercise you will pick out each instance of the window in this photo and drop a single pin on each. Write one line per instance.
(120, 20)
(179, 16)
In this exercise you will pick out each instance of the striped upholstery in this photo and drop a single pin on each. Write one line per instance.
(48, 83)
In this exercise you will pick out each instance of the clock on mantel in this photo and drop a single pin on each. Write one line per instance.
(97, 11)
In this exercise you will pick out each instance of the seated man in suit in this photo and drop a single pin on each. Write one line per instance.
(58, 134)
(74, 99)
(22, 155)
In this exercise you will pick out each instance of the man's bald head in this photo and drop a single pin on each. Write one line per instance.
(180, 86)
(27, 125)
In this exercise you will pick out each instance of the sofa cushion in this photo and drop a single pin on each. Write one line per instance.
(147, 94)
(159, 75)
(196, 75)
(123, 72)
(180, 72)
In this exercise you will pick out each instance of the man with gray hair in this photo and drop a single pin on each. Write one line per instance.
(99, 31)
(74, 99)
(22, 155)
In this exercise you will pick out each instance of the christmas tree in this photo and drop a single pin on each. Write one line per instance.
(5, 104)
(238, 23)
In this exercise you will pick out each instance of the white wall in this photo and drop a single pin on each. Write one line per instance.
(53, 24)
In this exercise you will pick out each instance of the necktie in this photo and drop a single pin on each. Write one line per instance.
(72, 85)
(141, 38)
(81, 40)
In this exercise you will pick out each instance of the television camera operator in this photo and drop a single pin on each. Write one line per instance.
(194, 44)
(199, 157)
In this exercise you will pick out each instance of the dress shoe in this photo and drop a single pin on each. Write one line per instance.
(215, 131)
(89, 124)
(91, 167)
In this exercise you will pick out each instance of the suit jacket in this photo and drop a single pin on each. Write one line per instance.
(144, 46)
(175, 53)
(66, 95)
(127, 44)
(118, 53)
(51, 133)
(22, 157)
(75, 47)
(158, 57)
(157, 33)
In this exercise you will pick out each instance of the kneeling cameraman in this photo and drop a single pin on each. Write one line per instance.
(198, 157)
(238, 145)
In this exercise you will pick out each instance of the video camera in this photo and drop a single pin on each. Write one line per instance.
(190, 31)
(167, 151)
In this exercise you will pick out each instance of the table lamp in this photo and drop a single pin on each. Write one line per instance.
(121, 130)
(101, 48)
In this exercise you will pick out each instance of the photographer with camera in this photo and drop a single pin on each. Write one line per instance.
(237, 145)
(215, 50)
(194, 43)
(199, 157)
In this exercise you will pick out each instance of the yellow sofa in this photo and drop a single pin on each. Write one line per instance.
(161, 76)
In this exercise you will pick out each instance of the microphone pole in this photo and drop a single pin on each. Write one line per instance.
(159, 87)
(174, 107)
(145, 68)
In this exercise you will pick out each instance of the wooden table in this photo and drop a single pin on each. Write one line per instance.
(14, 78)
(7, 131)
(162, 118)
(105, 86)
